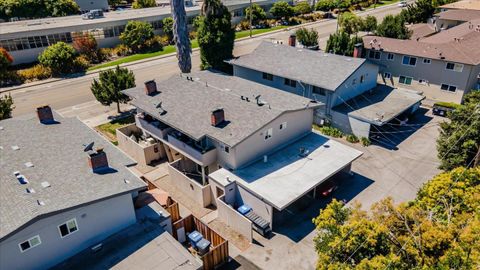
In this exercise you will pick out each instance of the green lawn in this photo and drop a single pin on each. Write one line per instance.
(109, 129)
(171, 49)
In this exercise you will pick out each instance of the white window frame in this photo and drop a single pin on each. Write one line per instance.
(405, 78)
(427, 61)
(268, 134)
(455, 65)
(31, 246)
(391, 59)
(226, 149)
(66, 223)
(389, 75)
(375, 53)
(449, 85)
(410, 57)
(283, 126)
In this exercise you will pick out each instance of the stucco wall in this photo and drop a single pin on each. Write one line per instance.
(262, 209)
(200, 194)
(86, 5)
(234, 219)
(95, 223)
(435, 73)
(143, 155)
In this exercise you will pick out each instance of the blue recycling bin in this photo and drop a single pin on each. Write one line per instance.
(244, 209)
(194, 237)
(203, 246)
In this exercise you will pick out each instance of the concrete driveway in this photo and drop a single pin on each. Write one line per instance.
(382, 171)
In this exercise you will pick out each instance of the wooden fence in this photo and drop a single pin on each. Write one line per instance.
(173, 209)
(150, 185)
(218, 253)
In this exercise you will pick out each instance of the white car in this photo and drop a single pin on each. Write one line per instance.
(402, 4)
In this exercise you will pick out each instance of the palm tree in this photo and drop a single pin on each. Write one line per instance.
(180, 35)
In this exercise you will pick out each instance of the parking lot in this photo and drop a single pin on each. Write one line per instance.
(401, 159)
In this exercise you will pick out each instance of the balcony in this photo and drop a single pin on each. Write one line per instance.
(185, 145)
(152, 126)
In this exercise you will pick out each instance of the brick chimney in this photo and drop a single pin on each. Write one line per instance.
(45, 114)
(292, 40)
(217, 117)
(358, 50)
(97, 160)
(150, 87)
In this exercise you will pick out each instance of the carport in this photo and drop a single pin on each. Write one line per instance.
(374, 109)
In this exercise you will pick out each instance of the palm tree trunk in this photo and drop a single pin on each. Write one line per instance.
(180, 35)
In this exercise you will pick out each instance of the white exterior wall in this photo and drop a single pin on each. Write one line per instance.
(261, 208)
(95, 223)
(86, 5)
(234, 219)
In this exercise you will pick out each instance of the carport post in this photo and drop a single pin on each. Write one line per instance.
(203, 176)
(315, 192)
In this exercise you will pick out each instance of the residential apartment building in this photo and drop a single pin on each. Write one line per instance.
(210, 123)
(87, 5)
(59, 194)
(444, 66)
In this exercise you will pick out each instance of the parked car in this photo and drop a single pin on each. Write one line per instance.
(93, 14)
(327, 188)
(443, 108)
(402, 3)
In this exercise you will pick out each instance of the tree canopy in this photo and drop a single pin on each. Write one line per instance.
(369, 24)
(419, 11)
(440, 229)
(459, 139)
(6, 107)
(5, 59)
(393, 27)
(308, 38)
(281, 10)
(136, 34)
(167, 27)
(341, 43)
(257, 13)
(107, 89)
(350, 23)
(302, 8)
(37, 8)
(87, 45)
(59, 57)
(144, 4)
(215, 35)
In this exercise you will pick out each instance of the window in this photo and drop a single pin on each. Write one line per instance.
(447, 87)
(422, 81)
(374, 54)
(354, 81)
(405, 80)
(289, 82)
(283, 125)
(30, 243)
(387, 75)
(268, 134)
(319, 91)
(409, 61)
(68, 227)
(427, 61)
(454, 67)
(267, 76)
(362, 78)
(391, 56)
(226, 149)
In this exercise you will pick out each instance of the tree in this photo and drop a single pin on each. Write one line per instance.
(136, 34)
(37, 8)
(181, 37)
(5, 60)
(341, 43)
(459, 139)
(215, 35)
(6, 107)
(281, 10)
(438, 230)
(302, 8)
(257, 13)
(167, 24)
(325, 5)
(393, 27)
(86, 45)
(369, 24)
(114, 3)
(419, 11)
(107, 89)
(59, 57)
(144, 4)
(308, 38)
(350, 23)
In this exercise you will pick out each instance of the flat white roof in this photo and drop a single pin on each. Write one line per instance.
(287, 175)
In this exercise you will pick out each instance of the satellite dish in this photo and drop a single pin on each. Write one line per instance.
(159, 105)
(88, 147)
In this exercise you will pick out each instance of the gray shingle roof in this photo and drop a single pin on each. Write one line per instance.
(189, 105)
(312, 67)
(56, 152)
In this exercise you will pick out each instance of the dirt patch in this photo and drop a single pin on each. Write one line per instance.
(231, 235)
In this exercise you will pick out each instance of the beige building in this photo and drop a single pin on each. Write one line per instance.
(444, 66)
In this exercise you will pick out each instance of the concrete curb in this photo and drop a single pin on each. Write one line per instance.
(52, 80)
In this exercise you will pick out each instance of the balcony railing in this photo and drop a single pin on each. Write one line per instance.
(154, 127)
(205, 156)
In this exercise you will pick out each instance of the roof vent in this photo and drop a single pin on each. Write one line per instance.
(29, 164)
(45, 184)
(16, 173)
(30, 190)
(41, 203)
(15, 147)
(21, 178)
(126, 181)
(1, 128)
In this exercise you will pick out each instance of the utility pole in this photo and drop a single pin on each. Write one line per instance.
(251, 13)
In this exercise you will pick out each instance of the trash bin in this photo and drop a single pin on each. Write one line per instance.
(244, 209)
(194, 237)
(203, 246)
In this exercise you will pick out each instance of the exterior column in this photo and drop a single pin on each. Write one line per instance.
(204, 180)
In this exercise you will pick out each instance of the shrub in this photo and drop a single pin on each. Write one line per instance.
(330, 131)
(5, 59)
(295, 21)
(281, 9)
(10, 77)
(154, 44)
(243, 25)
(6, 107)
(81, 63)
(192, 35)
(258, 14)
(143, 4)
(58, 57)
(302, 8)
(165, 40)
(365, 141)
(136, 34)
(167, 27)
(104, 54)
(37, 72)
(121, 50)
(325, 5)
(351, 138)
(87, 45)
